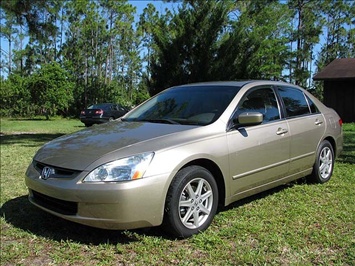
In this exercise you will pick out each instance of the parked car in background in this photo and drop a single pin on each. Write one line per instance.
(102, 113)
(178, 156)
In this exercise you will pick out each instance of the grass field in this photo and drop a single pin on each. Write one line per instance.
(296, 224)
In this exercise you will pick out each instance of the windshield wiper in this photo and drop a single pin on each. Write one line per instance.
(162, 120)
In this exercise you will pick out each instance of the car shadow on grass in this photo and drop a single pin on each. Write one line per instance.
(21, 214)
(261, 195)
(348, 154)
(27, 139)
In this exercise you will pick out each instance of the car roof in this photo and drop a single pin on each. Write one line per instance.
(239, 83)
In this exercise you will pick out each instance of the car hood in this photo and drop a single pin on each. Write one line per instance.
(78, 150)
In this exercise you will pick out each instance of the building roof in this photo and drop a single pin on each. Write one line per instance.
(343, 68)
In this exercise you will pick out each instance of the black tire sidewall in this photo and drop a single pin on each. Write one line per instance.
(172, 222)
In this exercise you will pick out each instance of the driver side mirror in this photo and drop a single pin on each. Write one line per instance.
(248, 119)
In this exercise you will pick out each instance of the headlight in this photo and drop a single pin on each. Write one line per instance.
(130, 168)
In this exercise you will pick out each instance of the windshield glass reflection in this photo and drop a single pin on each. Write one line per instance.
(194, 105)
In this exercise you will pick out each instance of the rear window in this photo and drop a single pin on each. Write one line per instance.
(99, 106)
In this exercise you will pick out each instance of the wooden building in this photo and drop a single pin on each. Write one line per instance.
(339, 87)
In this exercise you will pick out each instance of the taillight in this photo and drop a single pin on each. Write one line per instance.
(99, 112)
(340, 122)
(82, 112)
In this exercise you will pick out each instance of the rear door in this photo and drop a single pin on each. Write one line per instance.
(259, 154)
(306, 125)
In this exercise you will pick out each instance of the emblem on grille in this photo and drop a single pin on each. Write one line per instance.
(46, 172)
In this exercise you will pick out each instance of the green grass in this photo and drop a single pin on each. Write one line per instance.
(54, 125)
(296, 224)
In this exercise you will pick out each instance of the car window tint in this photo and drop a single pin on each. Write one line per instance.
(261, 100)
(99, 106)
(295, 102)
(312, 106)
(200, 105)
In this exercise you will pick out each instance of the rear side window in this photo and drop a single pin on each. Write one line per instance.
(295, 102)
(314, 108)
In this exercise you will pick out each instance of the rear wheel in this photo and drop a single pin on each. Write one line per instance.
(191, 202)
(323, 167)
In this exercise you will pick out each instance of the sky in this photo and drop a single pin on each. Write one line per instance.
(159, 5)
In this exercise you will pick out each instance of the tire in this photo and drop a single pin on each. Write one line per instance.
(323, 167)
(191, 202)
(88, 125)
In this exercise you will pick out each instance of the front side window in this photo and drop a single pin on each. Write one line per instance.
(262, 100)
(295, 101)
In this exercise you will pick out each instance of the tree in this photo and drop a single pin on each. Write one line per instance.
(258, 41)
(185, 44)
(203, 42)
(306, 36)
(146, 27)
(339, 37)
(15, 98)
(51, 90)
(37, 20)
(7, 31)
(108, 58)
(101, 51)
(31, 13)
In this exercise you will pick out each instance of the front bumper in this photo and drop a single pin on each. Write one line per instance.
(125, 205)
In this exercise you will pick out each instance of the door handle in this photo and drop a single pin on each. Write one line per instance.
(281, 131)
(318, 122)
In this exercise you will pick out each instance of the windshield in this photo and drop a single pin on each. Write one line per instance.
(189, 105)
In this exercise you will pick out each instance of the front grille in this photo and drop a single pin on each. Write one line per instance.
(59, 172)
(56, 205)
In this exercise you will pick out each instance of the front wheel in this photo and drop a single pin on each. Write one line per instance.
(323, 167)
(191, 202)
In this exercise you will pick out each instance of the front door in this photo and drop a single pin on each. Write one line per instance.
(259, 154)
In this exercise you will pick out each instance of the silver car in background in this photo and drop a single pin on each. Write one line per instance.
(178, 156)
